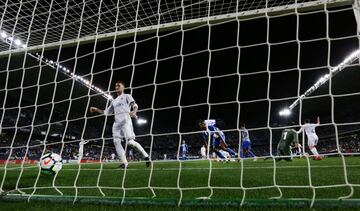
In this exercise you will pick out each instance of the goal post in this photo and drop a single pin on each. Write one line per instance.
(250, 68)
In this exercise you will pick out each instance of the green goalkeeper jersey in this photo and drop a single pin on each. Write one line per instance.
(288, 137)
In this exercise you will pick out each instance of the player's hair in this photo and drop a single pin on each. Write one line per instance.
(307, 121)
(120, 82)
(242, 124)
(200, 121)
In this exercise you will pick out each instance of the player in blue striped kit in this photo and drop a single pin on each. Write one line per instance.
(216, 136)
(246, 143)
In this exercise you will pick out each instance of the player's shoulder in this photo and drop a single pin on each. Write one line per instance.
(129, 96)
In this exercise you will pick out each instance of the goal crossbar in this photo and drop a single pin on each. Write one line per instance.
(271, 11)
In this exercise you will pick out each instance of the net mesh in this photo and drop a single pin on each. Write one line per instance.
(241, 61)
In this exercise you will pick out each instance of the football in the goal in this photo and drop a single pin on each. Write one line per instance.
(50, 163)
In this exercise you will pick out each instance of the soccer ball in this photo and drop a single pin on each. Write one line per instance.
(50, 163)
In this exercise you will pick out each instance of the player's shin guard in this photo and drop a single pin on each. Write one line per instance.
(120, 150)
(138, 147)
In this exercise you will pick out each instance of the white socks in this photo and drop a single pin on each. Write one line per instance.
(120, 150)
(138, 148)
(314, 151)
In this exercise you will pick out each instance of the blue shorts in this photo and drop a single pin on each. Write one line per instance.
(246, 144)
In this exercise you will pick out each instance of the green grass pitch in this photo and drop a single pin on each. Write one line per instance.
(236, 183)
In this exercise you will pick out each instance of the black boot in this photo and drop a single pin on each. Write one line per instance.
(123, 166)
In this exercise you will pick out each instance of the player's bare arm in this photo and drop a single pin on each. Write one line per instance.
(96, 110)
(134, 111)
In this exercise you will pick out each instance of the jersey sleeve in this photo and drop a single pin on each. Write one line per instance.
(130, 100)
(109, 110)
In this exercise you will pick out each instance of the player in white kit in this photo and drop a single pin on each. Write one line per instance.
(123, 107)
(203, 152)
(81, 150)
(313, 139)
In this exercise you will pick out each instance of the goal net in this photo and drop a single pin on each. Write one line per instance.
(268, 64)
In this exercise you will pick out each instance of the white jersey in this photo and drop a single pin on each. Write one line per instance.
(309, 129)
(121, 107)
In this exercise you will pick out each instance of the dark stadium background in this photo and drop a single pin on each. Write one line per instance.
(284, 80)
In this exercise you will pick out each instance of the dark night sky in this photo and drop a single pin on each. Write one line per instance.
(246, 63)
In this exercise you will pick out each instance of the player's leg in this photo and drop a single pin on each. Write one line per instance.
(226, 148)
(244, 149)
(120, 151)
(118, 146)
(81, 152)
(230, 151)
(278, 153)
(129, 134)
(216, 146)
(184, 155)
(287, 153)
(312, 147)
(138, 147)
(250, 152)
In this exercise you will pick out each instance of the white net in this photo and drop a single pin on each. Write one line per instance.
(182, 61)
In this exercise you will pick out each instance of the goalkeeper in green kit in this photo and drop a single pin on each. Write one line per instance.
(289, 137)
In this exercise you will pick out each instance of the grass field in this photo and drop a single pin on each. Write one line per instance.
(227, 183)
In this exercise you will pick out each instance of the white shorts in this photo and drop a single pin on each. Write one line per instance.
(313, 140)
(123, 130)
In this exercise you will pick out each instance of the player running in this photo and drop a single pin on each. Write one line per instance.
(123, 107)
(216, 137)
(289, 137)
(246, 143)
(313, 139)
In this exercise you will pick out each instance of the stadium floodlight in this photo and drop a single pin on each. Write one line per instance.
(24, 45)
(285, 112)
(141, 121)
(323, 79)
(66, 71)
(18, 42)
(3, 35)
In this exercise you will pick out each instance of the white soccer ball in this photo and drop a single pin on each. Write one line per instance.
(50, 163)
